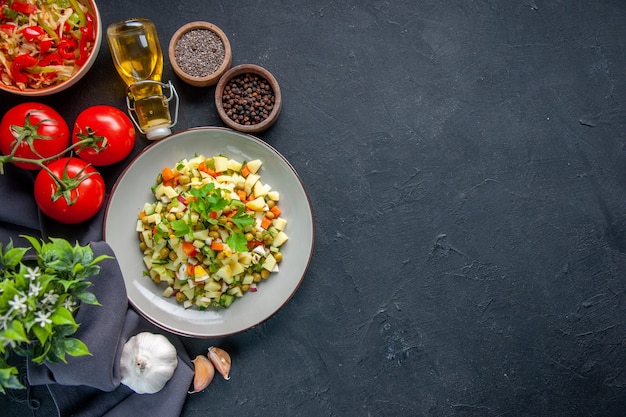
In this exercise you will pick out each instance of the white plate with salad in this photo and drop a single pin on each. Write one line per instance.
(158, 277)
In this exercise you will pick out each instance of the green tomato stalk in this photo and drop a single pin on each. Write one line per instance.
(65, 185)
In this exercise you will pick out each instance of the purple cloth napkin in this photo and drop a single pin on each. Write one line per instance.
(19, 207)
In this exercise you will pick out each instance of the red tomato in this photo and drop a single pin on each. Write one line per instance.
(109, 133)
(83, 198)
(33, 131)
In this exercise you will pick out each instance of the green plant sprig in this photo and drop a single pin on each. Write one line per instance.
(38, 300)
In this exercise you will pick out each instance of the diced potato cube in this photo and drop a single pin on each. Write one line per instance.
(188, 291)
(279, 223)
(279, 239)
(247, 280)
(212, 285)
(195, 161)
(168, 292)
(257, 204)
(200, 235)
(236, 291)
(221, 163)
(225, 273)
(224, 178)
(154, 218)
(147, 260)
(260, 189)
(213, 294)
(250, 181)
(169, 192)
(238, 180)
(147, 238)
(236, 268)
(203, 302)
(234, 165)
(148, 209)
(244, 258)
(273, 195)
(270, 262)
(254, 165)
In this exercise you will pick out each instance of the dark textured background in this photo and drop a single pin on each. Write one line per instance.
(466, 166)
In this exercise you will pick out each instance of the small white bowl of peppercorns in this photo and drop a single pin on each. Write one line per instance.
(248, 99)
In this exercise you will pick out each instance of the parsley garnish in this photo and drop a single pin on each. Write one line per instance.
(237, 241)
(180, 228)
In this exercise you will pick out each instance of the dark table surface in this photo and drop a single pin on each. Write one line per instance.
(466, 165)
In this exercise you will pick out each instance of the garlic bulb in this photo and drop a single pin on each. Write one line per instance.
(148, 361)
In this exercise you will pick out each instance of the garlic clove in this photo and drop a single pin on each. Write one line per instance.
(221, 360)
(204, 371)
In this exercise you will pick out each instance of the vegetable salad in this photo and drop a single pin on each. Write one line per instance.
(213, 231)
(43, 42)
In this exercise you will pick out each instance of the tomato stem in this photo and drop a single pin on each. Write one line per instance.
(66, 184)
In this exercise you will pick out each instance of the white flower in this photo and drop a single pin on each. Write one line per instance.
(19, 304)
(34, 288)
(32, 274)
(50, 298)
(69, 303)
(42, 318)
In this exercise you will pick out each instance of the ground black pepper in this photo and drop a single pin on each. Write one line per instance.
(199, 52)
(248, 99)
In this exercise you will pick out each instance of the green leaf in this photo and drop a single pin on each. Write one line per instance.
(242, 219)
(75, 347)
(16, 332)
(88, 297)
(8, 378)
(67, 284)
(78, 269)
(65, 330)
(57, 350)
(12, 257)
(238, 242)
(42, 333)
(40, 353)
(180, 228)
(34, 242)
(63, 316)
(100, 259)
(7, 292)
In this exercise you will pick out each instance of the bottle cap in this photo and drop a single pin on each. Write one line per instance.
(158, 132)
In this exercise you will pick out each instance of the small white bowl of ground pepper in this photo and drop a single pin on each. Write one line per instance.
(248, 99)
(200, 53)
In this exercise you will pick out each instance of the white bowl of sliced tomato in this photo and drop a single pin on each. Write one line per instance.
(47, 47)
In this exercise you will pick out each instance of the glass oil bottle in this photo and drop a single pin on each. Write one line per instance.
(138, 59)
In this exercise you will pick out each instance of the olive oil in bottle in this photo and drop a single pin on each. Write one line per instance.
(138, 59)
